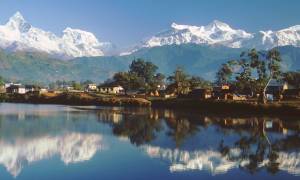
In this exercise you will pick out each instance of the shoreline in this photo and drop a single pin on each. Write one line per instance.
(193, 105)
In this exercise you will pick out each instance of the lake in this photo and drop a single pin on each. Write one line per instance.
(65, 142)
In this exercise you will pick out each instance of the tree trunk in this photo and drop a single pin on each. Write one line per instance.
(264, 96)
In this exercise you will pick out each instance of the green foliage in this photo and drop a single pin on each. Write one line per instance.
(180, 81)
(199, 82)
(141, 75)
(199, 60)
(254, 70)
(1, 81)
(293, 78)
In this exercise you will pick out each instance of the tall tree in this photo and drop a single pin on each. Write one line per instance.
(199, 82)
(266, 66)
(143, 69)
(180, 81)
(224, 74)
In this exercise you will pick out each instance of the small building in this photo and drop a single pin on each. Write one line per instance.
(200, 93)
(30, 88)
(91, 88)
(236, 97)
(16, 89)
(111, 89)
(221, 92)
(276, 88)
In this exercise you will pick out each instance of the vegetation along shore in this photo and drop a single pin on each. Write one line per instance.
(255, 83)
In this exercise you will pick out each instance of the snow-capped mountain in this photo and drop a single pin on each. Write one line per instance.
(18, 35)
(214, 33)
(220, 33)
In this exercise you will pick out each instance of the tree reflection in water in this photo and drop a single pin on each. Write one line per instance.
(259, 142)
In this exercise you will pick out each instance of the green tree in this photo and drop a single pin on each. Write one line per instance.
(76, 85)
(224, 74)
(122, 79)
(158, 81)
(199, 82)
(266, 66)
(1, 81)
(293, 78)
(144, 70)
(180, 81)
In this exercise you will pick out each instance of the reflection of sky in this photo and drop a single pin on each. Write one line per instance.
(213, 161)
(73, 135)
(71, 148)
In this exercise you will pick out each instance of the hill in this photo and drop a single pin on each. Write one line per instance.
(196, 59)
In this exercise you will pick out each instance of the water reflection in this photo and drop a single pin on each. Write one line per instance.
(191, 141)
(185, 141)
(71, 148)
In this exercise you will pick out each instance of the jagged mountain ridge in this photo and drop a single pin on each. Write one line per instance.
(19, 35)
(220, 33)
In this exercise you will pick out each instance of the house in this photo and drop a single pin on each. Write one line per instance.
(16, 89)
(91, 88)
(236, 97)
(111, 89)
(221, 91)
(276, 88)
(200, 93)
(30, 88)
(43, 90)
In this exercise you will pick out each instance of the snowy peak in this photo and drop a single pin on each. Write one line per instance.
(18, 23)
(16, 19)
(18, 35)
(216, 32)
(218, 25)
(220, 33)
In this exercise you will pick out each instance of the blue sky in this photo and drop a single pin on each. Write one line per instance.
(125, 22)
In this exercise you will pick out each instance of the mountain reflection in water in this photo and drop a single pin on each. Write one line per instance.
(184, 141)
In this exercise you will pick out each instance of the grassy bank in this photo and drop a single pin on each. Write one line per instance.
(229, 107)
(76, 99)
(207, 106)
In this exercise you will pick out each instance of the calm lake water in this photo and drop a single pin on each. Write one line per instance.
(64, 142)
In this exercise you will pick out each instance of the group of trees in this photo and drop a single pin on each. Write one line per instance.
(143, 75)
(181, 82)
(76, 85)
(293, 78)
(252, 72)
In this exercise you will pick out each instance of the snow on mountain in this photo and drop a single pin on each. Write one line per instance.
(214, 33)
(219, 33)
(18, 35)
(214, 162)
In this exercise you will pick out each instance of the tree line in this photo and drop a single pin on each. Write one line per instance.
(254, 71)
(143, 75)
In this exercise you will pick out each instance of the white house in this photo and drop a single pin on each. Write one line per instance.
(91, 87)
(111, 89)
(17, 89)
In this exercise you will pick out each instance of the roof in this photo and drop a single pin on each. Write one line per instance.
(275, 82)
(16, 86)
(110, 85)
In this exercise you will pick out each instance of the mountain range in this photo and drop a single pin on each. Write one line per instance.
(30, 54)
(19, 35)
